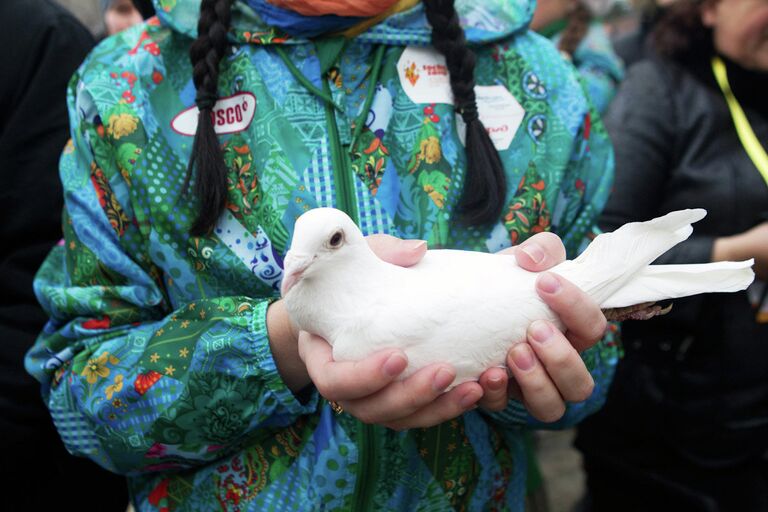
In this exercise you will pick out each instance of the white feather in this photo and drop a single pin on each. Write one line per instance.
(468, 308)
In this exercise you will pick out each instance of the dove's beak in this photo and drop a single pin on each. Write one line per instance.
(295, 265)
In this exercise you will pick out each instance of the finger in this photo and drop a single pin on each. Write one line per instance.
(561, 361)
(540, 394)
(584, 321)
(403, 398)
(540, 252)
(494, 383)
(403, 253)
(455, 402)
(348, 380)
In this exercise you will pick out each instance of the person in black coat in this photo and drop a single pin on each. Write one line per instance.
(42, 46)
(685, 426)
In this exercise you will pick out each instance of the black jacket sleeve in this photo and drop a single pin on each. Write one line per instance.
(42, 47)
(643, 123)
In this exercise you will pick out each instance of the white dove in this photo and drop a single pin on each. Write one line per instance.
(468, 308)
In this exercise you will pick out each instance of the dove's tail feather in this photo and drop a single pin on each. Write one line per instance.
(613, 259)
(659, 282)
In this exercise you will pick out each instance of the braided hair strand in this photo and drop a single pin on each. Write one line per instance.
(207, 161)
(485, 187)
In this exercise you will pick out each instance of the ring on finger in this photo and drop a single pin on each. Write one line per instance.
(336, 407)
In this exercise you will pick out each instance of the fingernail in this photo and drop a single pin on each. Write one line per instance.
(540, 331)
(395, 365)
(415, 245)
(469, 400)
(548, 283)
(495, 383)
(522, 357)
(534, 252)
(443, 378)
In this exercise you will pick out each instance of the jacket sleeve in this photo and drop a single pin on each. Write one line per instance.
(585, 188)
(132, 381)
(644, 142)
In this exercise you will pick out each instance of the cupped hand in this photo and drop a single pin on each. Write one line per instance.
(547, 370)
(367, 389)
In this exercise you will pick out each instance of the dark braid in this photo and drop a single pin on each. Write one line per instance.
(575, 30)
(485, 186)
(211, 176)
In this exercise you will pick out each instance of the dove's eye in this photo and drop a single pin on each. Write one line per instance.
(336, 240)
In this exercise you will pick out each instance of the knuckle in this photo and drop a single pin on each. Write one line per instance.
(411, 404)
(446, 413)
(597, 327)
(551, 414)
(326, 389)
(535, 384)
(404, 396)
(323, 389)
(572, 297)
(413, 401)
(559, 360)
(552, 245)
(365, 416)
(497, 405)
(586, 390)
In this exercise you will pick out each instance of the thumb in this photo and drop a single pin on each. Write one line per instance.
(404, 253)
(540, 252)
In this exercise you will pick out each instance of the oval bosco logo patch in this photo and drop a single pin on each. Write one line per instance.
(231, 114)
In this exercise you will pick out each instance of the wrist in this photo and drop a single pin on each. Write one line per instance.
(284, 343)
(726, 249)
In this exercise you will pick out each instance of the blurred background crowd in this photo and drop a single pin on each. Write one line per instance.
(671, 79)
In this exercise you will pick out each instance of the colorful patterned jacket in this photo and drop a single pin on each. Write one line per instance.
(156, 362)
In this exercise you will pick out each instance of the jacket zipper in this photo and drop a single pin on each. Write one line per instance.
(346, 201)
(345, 189)
(367, 473)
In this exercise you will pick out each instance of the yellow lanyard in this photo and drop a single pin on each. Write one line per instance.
(749, 140)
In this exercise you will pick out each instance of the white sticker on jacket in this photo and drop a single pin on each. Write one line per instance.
(424, 76)
(499, 112)
(230, 115)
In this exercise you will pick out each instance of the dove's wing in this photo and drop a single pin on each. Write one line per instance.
(615, 269)
(659, 282)
(613, 259)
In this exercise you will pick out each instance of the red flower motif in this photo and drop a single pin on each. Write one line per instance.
(101, 323)
(146, 381)
(156, 451)
(158, 493)
(152, 48)
(587, 126)
(130, 77)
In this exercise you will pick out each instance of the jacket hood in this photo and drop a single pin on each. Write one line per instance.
(486, 21)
